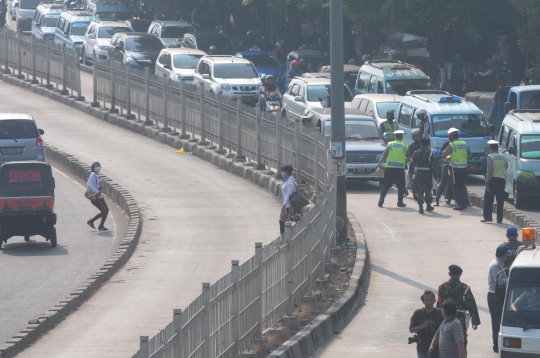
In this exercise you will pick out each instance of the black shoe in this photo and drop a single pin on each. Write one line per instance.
(495, 349)
(485, 220)
(401, 204)
(381, 201)
(448, 201)
(436, 202)
(499, 222)
(429, 207)
(406, 192)
(421, 208)
(102, 228)
(458, 207)
(91, 224)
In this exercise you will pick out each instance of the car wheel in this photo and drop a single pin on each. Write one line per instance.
(52, 236)
(518, 198)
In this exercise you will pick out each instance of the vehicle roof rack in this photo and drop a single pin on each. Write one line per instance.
(526, 111)
(79, 12)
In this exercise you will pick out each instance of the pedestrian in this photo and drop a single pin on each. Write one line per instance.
(495, 183)
(394, 172)
(450, 337)
(443, 77)
(513, 245)
(416, 135)
(327, 103)
(288, 213)
(460, 293)
(96, 197)
(457, 76)
(389, 126)
(425, 322)
(496, 276)
(457, 151)
(424, 162)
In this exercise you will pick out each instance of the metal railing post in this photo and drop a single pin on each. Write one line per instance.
(220, 118)
(309, 265)
(235, 326)
(95, 70)
(259, 165)
(144, 347)
(19, 57)
(316, 136)
(148, 121)
(205, 325)
(79, 97)
(203, 120)
(64, 71)
(323, 242)
(6, 53)
(177, 319)
(259, 286)
(165, 128)
(113, 85)
(34, 76)
(239, 155)
(48, 70)
(278, 147)
(129, 115)
(183, 134)
(289, 264)
(297, 152)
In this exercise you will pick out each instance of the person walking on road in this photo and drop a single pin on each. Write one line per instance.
(425, 322)
(460, 293)
(450, 337)
(513, 245)
(288, 213)
(443, 184)
(389, 126)
(494, 279)
(416, 135)
(97, 198)
(394, 172)
(495, 182)
(425, 167)
(457, 151)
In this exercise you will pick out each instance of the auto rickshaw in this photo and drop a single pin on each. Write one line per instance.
(27, 201)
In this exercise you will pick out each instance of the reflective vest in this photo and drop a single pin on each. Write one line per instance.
(396, 155)
(499, 168)
(390, 128)
(458, 158)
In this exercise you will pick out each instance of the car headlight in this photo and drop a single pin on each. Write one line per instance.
(179, 77)
(525, 174)
(130, 60)
(103, 47)
(379, 156)
(225, 87)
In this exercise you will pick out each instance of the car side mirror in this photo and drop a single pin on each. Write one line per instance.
(92, 36)
(298, 99)
(168, 67)
(206, 76)
(41, 131)
(38, 25)
(512, 150)
(118, 47)
(507, 107)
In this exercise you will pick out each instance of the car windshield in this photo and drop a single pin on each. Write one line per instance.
(530, 100)
(140, 25)
(79, 28)
(469, 125)
(112, 16)
(355, 129)
(522, 303)
(530, 146)
(108, 32)
(315, 62)
(401, 87)
(18, 130)
(186, 61)
(29, 4)
(383, 107)
(143, 44)
(223, 46)
(315, 92)
(176, 32)
(263, 61)
(50, 20)
(235, 70)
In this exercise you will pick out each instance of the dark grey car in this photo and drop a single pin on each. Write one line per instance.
(20, 138)
(139, 50)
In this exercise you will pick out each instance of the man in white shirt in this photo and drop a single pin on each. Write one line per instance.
(496, 266)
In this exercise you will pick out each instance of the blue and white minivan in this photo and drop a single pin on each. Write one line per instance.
(71, 28)
(45, 20)
(446, 111)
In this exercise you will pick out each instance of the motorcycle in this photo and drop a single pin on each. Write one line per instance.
(273, 105)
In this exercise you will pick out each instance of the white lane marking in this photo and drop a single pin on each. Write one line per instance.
(390, 231)
(83, 187)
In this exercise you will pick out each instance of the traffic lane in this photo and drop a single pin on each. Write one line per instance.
(410, 253)
(197, 218)
(36, 276)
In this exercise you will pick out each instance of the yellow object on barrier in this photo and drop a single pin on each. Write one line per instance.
(181, 151)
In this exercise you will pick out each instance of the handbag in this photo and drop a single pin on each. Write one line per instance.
(298, 199)
(90, 195)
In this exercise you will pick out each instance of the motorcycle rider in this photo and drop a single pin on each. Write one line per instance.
(212, 50)
(279, 52)
(295, 70)
(250, 41)
(305, 66)
(269, 90)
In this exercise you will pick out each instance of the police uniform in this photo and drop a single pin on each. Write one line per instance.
(460, 293)
(496, 182)
(394, 172)
(457, 150)
(387, 127)
(412, 148)
(425, 168)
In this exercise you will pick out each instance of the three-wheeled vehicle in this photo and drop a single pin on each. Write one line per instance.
(27, 201)
(316, 59)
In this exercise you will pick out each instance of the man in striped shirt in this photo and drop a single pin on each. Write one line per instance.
(449, 337)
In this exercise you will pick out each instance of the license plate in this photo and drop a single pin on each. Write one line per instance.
(472, 166)
(361, 171)
(11, 151)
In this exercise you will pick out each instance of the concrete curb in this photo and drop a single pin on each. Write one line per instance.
(62, 309)
(263, 178)
(510, 213)
(313, 336)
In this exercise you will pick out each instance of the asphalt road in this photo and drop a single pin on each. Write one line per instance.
(36, 276)
(196, 217)
(410, 253)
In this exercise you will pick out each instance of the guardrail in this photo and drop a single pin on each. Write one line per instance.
(41, 62)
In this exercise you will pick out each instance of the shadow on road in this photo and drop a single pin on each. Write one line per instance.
(362, 186)
(33, 248)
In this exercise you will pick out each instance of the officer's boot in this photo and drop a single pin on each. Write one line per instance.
(420, 208)
(401, 192)
(429, 207)
(437, 201)
(384, 191)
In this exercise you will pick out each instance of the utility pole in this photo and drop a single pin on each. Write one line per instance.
(338, 111)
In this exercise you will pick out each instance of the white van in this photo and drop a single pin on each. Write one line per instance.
(519, 140)
(26, 10)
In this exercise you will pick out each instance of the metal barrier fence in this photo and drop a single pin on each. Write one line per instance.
(41, 62)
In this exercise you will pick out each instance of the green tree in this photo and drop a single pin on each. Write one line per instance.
(528, 27)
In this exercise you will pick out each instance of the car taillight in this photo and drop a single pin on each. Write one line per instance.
(39, 142)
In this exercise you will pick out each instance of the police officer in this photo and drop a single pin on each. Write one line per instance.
(389, 126)
(416, 135)
(460, 293)
(422, 116)
(425, 167)
(495, 182)
(457, 150)
(394, 155)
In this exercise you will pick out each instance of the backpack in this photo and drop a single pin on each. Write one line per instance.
(298, 199)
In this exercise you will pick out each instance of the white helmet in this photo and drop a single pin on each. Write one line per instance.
(421, 111)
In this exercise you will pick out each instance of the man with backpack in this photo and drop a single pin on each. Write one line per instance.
(424, 323)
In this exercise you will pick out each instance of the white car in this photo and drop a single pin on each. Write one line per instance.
(376, 104)
(98, 37)
(235, 76)
(13, 9)
(176, 63)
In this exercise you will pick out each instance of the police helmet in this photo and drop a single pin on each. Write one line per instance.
(421, 111)
(416, 132)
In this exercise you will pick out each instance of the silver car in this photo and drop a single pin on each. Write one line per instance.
(20, 138)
